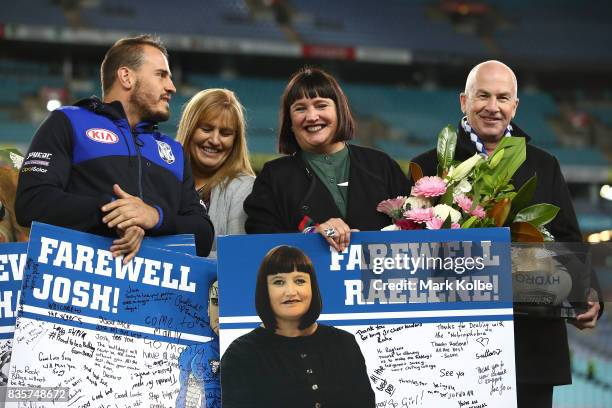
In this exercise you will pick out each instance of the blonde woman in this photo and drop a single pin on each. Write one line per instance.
(213, 134)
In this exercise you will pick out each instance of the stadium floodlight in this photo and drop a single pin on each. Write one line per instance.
(594, 238)
(53, 104)
(606, 192)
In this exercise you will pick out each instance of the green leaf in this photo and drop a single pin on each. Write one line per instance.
(489, 181)
(496, 178)
(488, 222)
(523, 196)
(469, 222)
(537, 215)
(447, 198)
(447, 141)
(514, 155)
(447, 222)
(509, 195)
(496, 158)
(486, 190)
(476, 195)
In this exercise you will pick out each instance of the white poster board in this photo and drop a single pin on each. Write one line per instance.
(431, 311)
(91, 331)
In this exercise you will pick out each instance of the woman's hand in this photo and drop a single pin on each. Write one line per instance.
(336, 232)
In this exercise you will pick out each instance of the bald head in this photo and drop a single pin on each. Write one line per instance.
(490, 101)
(488, 67)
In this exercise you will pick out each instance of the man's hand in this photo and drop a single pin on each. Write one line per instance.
(588, 319)
(127, 211)
(128, 243)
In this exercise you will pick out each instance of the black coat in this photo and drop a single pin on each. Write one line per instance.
(264, 369)
(542, 353)
(287, 189)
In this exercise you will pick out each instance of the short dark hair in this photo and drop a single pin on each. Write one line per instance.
(313, 82)
(126, 52)
(285, 259)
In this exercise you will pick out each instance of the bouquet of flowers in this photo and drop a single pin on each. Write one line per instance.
(475, 193)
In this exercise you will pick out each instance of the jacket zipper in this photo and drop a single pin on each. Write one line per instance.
(137, 148)
(137, 144)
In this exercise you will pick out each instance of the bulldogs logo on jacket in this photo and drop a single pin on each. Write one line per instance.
(165, 152)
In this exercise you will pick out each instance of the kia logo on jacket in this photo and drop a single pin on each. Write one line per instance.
(102, 136)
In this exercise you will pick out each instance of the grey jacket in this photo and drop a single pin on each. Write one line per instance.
(226, 211)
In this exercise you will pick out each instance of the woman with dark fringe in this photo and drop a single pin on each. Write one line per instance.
(291, 360)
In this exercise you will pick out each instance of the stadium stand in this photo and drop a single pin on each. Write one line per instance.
(591, 367)
(386, 27)
(211, 18)
(532, 32)
(38, 12)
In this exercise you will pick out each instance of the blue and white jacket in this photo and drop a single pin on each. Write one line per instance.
(80, 151)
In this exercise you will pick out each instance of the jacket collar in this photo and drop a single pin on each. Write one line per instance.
(114, 111)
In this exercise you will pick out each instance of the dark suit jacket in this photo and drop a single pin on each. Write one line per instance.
(287, 189)
(542, 353)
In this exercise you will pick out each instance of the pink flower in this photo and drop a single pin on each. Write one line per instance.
(464, 202)
(434, 224)
(429, 187)
(393, 207)
(405, 224)
(455, 225)
(420, 215)
(479, 212)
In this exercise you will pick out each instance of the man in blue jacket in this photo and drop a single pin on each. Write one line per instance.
(103, 167)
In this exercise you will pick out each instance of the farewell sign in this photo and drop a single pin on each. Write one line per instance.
(102, 331)
(431, 310)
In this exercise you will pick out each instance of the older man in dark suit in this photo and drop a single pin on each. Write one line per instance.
(489, 103)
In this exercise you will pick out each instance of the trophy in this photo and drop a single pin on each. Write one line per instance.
(550, 280)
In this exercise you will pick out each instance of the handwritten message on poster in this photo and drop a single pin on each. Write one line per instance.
(96, 330)
(431, 311)
(12, 261)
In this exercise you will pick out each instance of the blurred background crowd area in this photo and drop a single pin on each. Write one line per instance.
(402, 64)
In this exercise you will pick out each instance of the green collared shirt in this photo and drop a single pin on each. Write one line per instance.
(333, 171)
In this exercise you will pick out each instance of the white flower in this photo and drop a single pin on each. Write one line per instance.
(462, 187)
(391, 227)
(416, 202)
(464, 168)
(442, 211)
